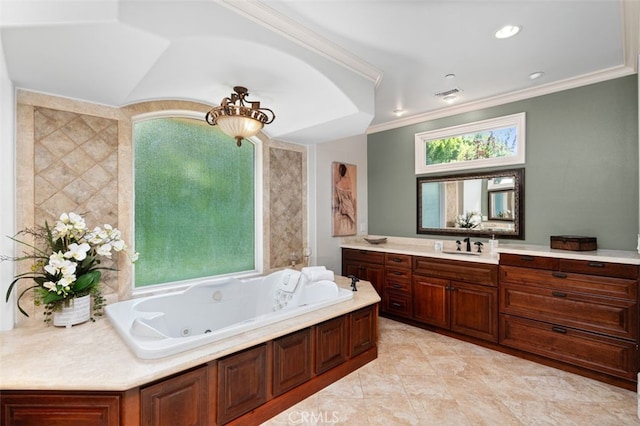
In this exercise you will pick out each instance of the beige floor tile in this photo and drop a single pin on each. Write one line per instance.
(426, 379)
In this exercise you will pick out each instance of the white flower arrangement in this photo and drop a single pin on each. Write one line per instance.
(69, 267)
(470, 219)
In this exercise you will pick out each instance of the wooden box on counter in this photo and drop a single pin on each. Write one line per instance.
(573, 242)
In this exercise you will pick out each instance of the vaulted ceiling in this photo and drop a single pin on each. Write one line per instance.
(329, 69)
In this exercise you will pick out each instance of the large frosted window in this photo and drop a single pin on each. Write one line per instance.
(194, 201)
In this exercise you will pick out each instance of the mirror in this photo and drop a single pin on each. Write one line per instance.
(478, 204)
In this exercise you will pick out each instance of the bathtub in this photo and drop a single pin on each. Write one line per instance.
(162, 325)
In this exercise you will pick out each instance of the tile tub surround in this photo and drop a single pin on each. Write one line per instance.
(424, 378)
(37, 357)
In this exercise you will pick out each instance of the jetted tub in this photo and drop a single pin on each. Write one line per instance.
(158, 326)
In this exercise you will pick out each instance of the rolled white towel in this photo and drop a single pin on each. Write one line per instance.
(317, 273)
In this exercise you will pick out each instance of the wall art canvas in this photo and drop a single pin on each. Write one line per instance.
(344, 204)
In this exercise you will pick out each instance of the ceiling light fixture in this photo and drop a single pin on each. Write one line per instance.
(398, 112)
(238, 120)
(507, 31)
(536, 75)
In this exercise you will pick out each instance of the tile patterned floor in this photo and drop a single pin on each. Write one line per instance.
(423, 378)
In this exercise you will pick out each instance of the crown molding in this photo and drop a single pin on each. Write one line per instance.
(630, 14)
(519, 95)
(271, 19)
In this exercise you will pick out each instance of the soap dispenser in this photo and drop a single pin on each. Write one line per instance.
(493, 244)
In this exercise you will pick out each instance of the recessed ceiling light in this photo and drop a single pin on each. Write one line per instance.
(536, 75)
(507, 31)
(398, 112)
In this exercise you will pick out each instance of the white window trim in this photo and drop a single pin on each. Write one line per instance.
(423, 138)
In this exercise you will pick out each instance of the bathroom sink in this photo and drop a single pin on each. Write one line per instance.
(464, 253)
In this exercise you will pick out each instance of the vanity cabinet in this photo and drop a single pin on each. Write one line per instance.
(456, 295)
(396, 288)
(366, 265)
(583, 313)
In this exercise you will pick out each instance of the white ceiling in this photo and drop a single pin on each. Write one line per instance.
(329, 69)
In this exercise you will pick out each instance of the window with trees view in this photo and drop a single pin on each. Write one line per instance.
(493, 142)
(195, 201)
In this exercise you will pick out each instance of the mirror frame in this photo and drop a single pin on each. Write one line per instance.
(518, 217)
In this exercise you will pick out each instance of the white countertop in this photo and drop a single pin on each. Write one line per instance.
(425, 247)
(92, 357)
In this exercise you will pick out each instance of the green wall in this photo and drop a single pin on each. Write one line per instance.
(581, 171)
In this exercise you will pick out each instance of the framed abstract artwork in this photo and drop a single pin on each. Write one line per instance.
(344, 200)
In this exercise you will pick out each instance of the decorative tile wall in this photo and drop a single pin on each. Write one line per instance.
(76, 169)
(286, 206)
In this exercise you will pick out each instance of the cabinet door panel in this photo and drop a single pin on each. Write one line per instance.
(474, 310)
(363, 330)
(291, 361)
(331, 344)
(181, 400)
(59, 409)
(242, 383)
(431, 301)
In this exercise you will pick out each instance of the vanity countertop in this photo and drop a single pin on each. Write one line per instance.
(421, 247)
(93, 357)
(425, 247)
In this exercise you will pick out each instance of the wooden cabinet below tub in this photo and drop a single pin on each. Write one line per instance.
(583, 313)
(245, 387)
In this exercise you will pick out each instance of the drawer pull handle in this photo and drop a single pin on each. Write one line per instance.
(596, 264)
(527, 258)
(396, 286)
(396, 305)
(396, 259)
(362, 251)
(559, 274)
(558, 294)
(559, 330)
(397, 273)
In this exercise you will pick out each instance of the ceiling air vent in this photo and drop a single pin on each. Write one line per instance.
(448, 92)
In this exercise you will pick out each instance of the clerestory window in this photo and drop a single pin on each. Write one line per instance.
(196, 201)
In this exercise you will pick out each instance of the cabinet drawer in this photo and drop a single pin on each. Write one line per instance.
(472, 272)
(397, 285)
(397, 304)
(538, 262)
(563, 281)
(397, 260)
(605, 315)
(363, 256)
(394, 274)
(617, 270)
(599, 353)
